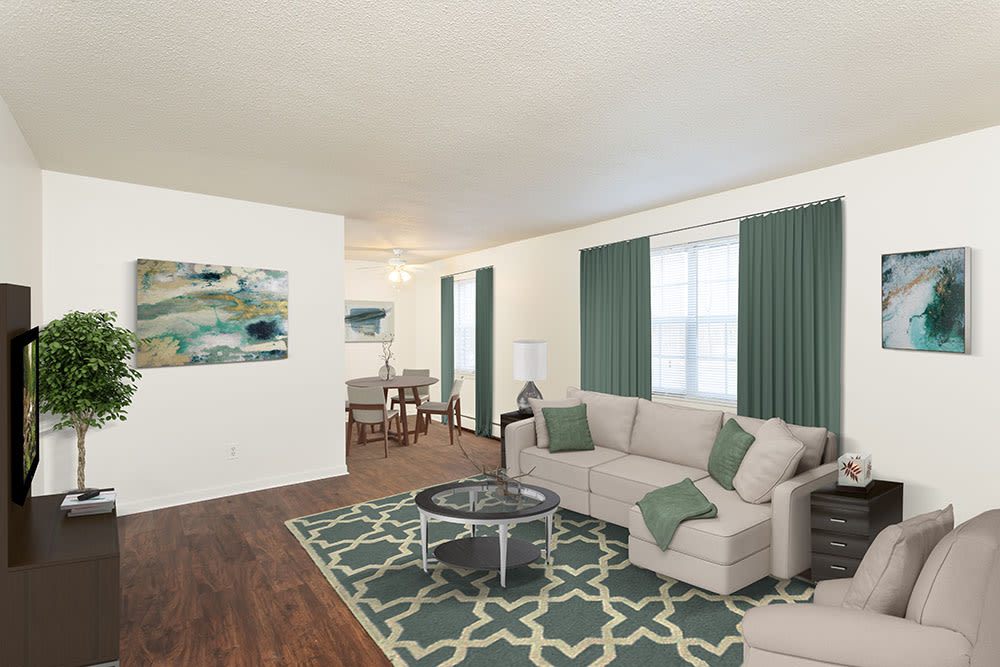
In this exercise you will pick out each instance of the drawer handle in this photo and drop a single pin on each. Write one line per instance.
(833, 520)
(838, 544)
(839, 568)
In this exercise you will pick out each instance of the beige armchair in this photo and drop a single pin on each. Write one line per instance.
(952, 619)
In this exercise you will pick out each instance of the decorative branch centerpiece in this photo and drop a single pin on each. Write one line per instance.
(507, 485)
(85, 376)
(387, 372)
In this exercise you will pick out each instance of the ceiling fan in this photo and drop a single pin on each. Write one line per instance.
(399, 266)
(399, 270)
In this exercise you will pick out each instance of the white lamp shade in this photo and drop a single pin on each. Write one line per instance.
(530, 359)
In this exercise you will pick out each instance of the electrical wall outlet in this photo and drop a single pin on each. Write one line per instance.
(232, 452)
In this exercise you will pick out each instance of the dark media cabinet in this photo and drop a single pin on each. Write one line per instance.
(59, 577)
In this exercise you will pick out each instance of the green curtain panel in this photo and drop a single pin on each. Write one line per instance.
(615, 322)
(484, 352)
(790, 297)
(447, 338)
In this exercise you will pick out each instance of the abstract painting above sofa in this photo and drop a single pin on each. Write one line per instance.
(925, 300)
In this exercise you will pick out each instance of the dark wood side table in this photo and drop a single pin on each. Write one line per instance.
(505, 419)
(845, 522)
(65, 591)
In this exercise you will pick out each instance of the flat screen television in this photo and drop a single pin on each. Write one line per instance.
(24, 413)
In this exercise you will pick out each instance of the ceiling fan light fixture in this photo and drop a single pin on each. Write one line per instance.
(395, 276)
(404, 274)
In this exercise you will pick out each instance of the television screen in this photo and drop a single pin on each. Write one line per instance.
(24, 413)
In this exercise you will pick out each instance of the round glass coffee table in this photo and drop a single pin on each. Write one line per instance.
(481, 504)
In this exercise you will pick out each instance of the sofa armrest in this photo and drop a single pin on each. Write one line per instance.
(839, 636)
(832, 592)
(516, 437)
(790, 523)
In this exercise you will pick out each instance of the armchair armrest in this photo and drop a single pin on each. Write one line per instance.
(790, 522)
(839, 636)
(832, 592)
(517, 436)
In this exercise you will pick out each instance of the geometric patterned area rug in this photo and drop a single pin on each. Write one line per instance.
(590, 606)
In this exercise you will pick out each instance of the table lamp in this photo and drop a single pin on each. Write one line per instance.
(530, 364)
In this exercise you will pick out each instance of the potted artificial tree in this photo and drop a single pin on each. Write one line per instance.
(85, 377)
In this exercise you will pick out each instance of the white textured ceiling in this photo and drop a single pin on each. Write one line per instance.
(447, 126)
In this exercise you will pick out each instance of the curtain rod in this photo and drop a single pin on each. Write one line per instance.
(719, 222)
(458, 273)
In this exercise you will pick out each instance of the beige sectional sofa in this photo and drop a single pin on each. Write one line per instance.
(641, 446)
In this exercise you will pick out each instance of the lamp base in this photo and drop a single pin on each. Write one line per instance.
(529, 391)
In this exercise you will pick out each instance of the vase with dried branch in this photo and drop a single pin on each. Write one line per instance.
(498, 476)
(387, 372)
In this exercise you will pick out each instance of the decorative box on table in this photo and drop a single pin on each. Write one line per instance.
(854, 470)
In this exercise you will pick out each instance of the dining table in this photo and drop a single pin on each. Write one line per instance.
(401, 383)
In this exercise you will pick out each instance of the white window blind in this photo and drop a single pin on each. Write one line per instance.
(465, 325)
(694, 290)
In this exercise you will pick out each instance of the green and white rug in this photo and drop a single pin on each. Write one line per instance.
(591, 606)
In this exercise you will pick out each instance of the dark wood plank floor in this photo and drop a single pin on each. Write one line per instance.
(223, 582)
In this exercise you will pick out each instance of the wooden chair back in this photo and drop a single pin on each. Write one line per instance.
(367, 404)
(423, 392)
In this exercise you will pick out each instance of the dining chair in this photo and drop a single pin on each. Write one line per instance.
(452, 409)
(367, 405)
(422, 393)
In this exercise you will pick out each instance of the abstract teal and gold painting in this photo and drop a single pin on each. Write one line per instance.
(925, 300)
(191, 313)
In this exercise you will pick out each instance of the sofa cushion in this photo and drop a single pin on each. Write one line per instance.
(569, 468)
(568, 429)
(958, 586)
(679, 435)
(740, 529)
(727, 455)
(541, 429)
(629, 478)
(772, 459)
(611, 417)
(813, 437)
(885, 578)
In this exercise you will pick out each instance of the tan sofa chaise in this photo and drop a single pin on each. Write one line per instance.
(641, 446)
(952, 618)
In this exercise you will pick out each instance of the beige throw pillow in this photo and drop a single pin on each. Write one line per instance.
(890, 568)
(541, 430)
(772, 459)
(813, 437)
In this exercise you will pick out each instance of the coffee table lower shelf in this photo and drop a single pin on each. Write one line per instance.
(483, 553)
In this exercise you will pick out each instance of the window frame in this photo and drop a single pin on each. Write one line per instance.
(464, 283)
(691, 322)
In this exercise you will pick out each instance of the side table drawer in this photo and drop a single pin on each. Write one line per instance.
(839, 544)
(825, 566)
(837, 520)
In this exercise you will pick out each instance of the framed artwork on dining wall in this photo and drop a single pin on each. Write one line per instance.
(369, 321)
(925, 300)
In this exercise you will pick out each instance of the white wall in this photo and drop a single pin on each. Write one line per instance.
(173, 447)
(20, 212)
(924, 416)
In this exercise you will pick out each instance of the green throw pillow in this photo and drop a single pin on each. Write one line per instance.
(568, 429)
(731, 445)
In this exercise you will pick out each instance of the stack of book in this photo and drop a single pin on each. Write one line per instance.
(103, 503)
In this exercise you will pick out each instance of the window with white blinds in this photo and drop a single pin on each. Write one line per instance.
(694, 291)
(465, 324)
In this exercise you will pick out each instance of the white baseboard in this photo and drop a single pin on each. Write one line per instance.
(148, 504)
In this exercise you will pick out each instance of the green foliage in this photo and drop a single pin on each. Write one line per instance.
(84, 372)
